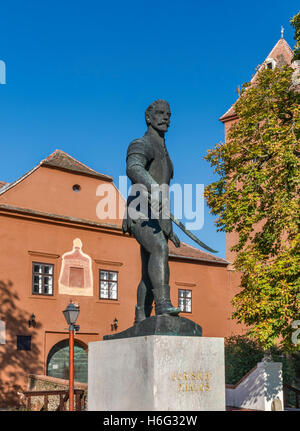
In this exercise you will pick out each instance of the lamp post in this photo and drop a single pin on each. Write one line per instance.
(71, 315)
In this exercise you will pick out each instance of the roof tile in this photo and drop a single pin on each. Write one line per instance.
(188, 251)
(61, 160)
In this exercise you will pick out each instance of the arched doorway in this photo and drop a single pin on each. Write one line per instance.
(58, 361)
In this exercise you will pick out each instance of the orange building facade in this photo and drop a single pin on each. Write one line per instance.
(55, 248)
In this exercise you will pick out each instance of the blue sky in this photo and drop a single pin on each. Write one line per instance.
(81, 73)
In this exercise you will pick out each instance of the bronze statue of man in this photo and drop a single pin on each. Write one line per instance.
(149, 165)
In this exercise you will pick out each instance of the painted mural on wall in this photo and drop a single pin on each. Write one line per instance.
(76, 276)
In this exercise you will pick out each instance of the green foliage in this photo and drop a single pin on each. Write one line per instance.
(288, 365)
(295, 21)
(243, 353)
(257, 196)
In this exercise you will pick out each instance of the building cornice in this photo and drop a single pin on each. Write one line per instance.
(57, 218)
(40, 216)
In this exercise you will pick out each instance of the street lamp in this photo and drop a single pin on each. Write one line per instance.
(32, 321)
(114, 325)
(71, 314)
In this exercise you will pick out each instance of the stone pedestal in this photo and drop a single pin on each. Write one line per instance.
(156, 373)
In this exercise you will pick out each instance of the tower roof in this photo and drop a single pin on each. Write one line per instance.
(282, 54)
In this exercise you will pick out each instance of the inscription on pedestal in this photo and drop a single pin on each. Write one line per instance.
(195, 381)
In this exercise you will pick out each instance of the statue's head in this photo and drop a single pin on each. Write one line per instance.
(158, 116)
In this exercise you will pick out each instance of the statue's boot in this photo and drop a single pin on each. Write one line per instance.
(162, 301)
(141, 313)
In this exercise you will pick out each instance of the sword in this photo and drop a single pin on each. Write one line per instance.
(190, 234)
(155, 212)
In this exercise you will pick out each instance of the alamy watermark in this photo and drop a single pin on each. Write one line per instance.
(296, 334)
(152, 203)
(2, 72)
(2, 332)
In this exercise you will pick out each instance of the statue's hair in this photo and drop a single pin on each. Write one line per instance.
(151, 107)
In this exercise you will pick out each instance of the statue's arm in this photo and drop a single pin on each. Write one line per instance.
(137, 172)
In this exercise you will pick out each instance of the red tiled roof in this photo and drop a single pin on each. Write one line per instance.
(61, 160)
(186, 251)
(281, 52)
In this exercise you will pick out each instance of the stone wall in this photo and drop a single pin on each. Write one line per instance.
(47, 383)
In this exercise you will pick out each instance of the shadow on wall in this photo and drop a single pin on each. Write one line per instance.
(268, 383)
(15, 365)
(259, 388)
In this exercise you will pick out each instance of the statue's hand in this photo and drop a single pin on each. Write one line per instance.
(175, 240)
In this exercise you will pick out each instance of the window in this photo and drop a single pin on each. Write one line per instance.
(23, 342)
(108, 285)
(76, 188)
(42, 278)
(270, 63)
(185, 300)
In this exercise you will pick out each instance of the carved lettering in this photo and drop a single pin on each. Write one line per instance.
(194, 381)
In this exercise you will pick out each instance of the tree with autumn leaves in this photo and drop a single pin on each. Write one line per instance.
(295, 21)
(257, 196)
